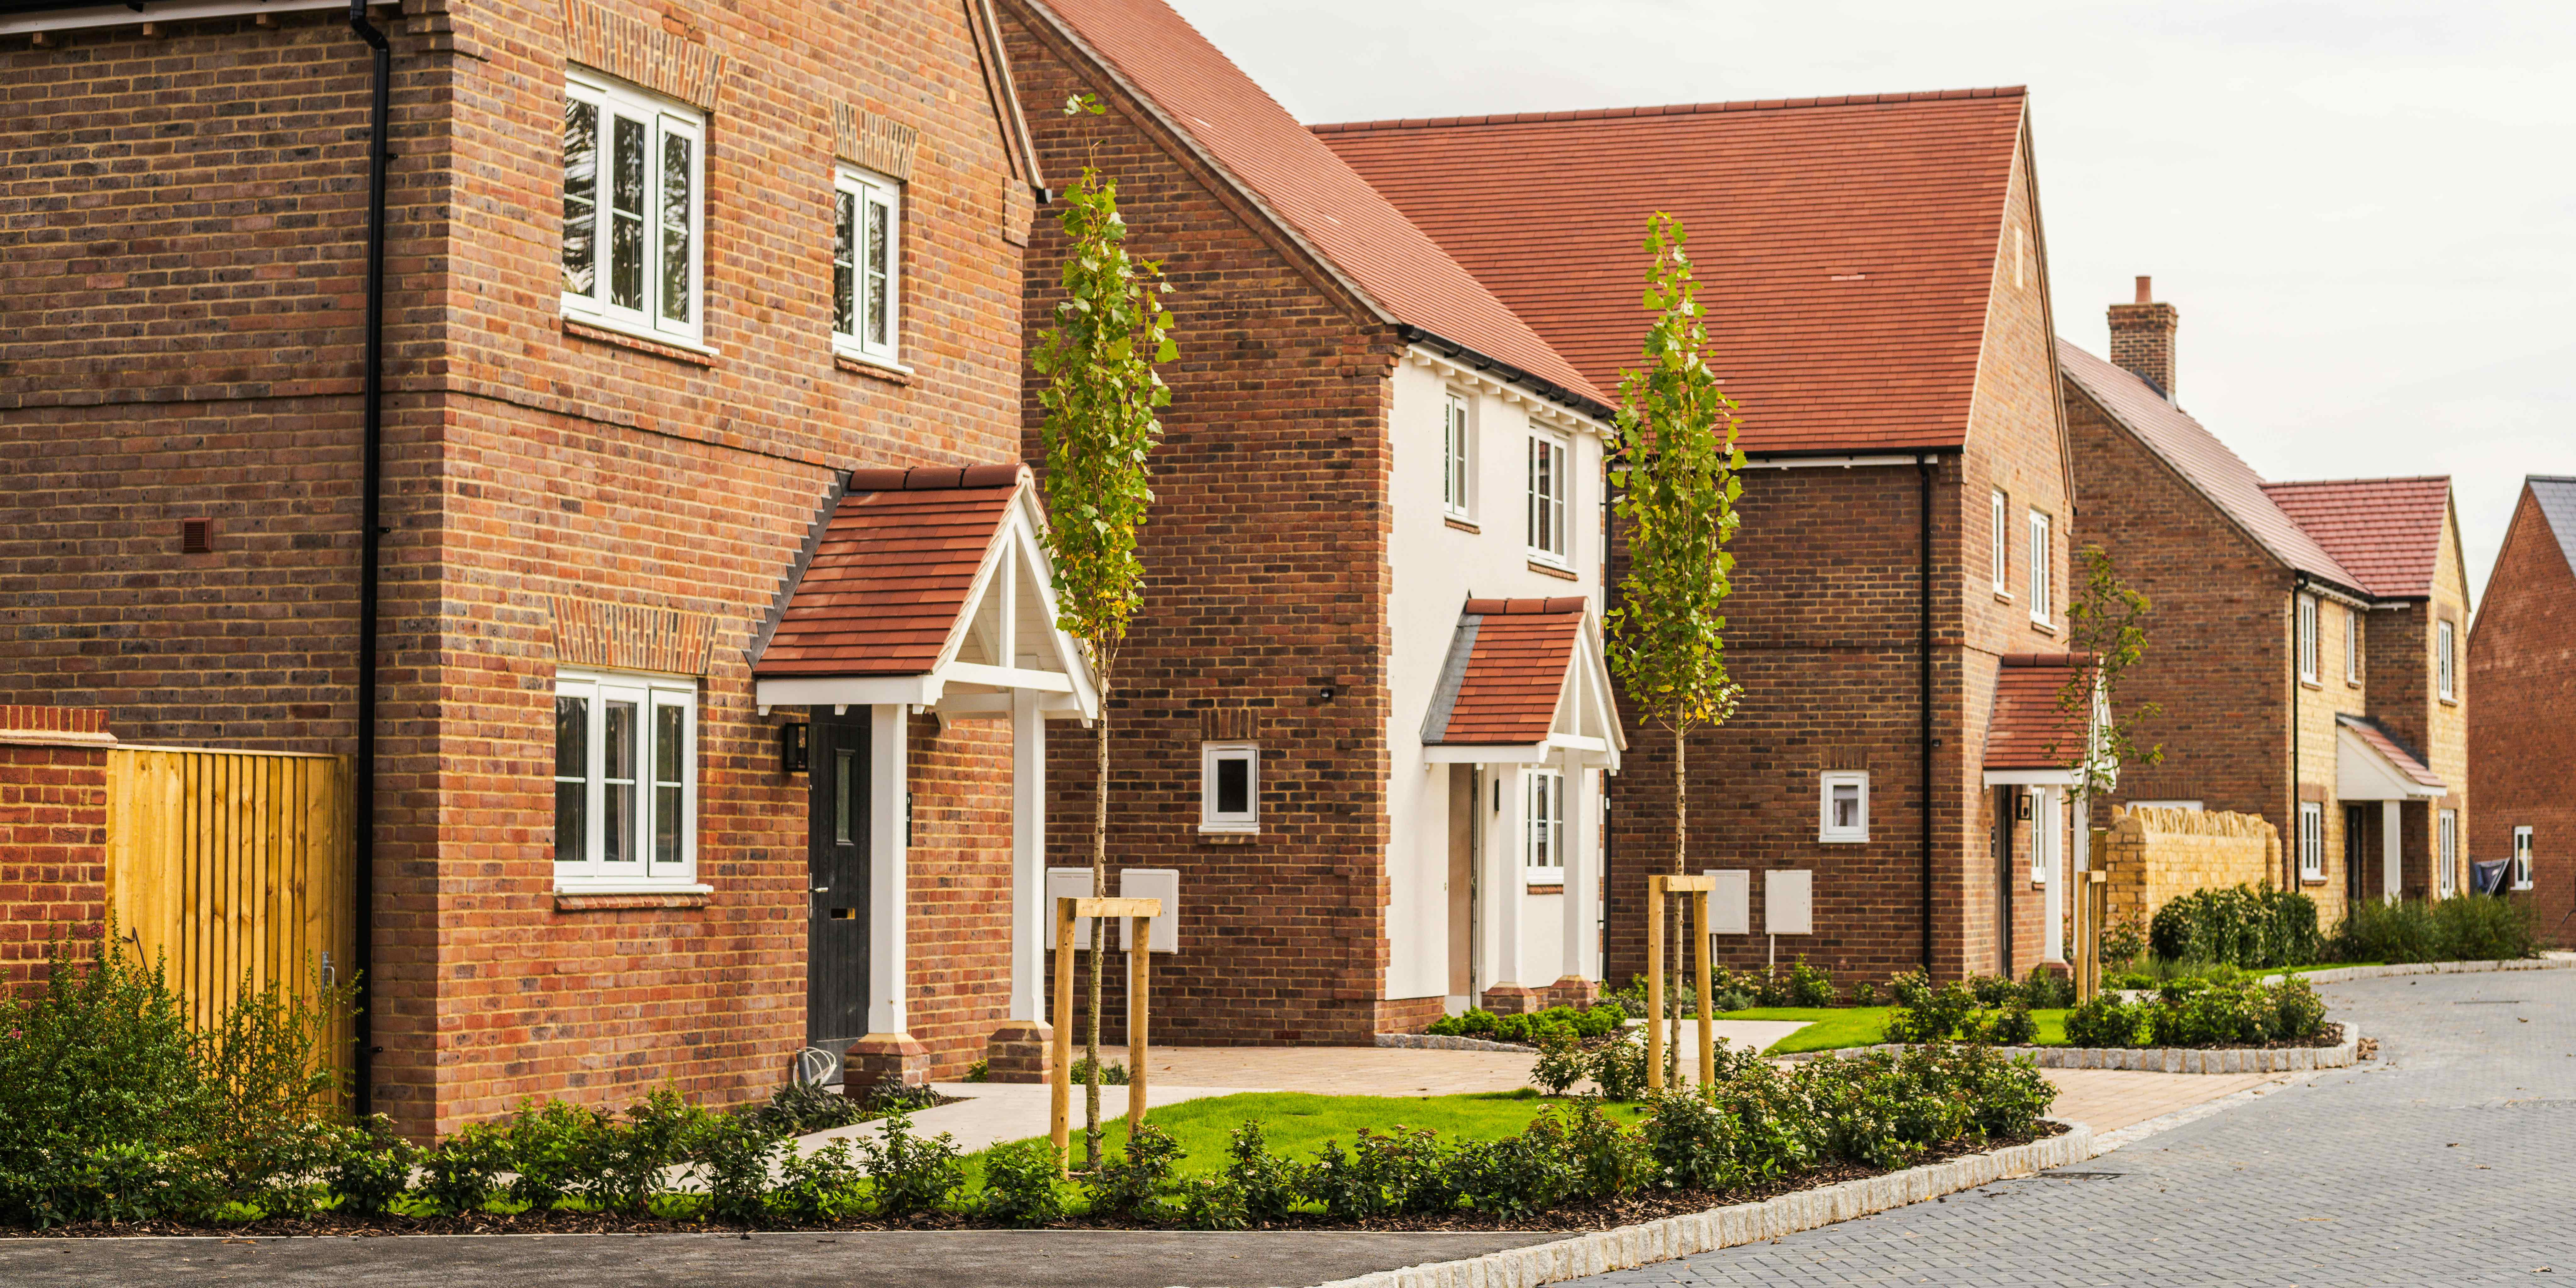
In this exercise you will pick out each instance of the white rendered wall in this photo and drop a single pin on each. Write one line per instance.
(1436, 568)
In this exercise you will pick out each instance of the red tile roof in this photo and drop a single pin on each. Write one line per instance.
(2203, 461)
(2387, 531)
(1844, 247)
(1318, 199)
(2028, 729)
(2387, 746)
(882, 593)
(1518, 652)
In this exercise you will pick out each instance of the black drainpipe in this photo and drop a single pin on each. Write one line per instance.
(1923, 466)
(370, 539)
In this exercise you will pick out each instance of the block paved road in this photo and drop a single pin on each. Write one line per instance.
(2451, 1160)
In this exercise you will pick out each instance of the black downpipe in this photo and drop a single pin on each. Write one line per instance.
(370, 542)
(1923, 466)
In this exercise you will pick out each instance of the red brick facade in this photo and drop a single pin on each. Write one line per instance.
(53, 833)
(2522, 734)
(188, 347)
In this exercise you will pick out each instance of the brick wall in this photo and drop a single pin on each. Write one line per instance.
(2319, 763)
(2522, 733)
(53, 834)
(2150, 856)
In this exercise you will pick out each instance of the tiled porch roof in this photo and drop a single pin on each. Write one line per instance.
(2028, 728)
(884, 589)
(2407, 762)
(1506, 671)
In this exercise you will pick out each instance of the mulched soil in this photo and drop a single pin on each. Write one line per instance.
(1572, 1219)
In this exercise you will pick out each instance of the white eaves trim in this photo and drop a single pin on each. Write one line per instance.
(1543, 410)
(2030, 778)
(142, 11)
(2363, 774)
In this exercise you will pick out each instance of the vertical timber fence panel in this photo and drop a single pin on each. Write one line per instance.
(232, 867)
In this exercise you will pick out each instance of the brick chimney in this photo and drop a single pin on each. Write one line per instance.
(2142, 338)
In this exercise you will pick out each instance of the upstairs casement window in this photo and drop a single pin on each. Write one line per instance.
(1229, 787)
(633, 179)
(1456, 456)
(2040, 607)
(2308, 638)
(626, 783)
(2351, 647)
(1545, 857)
(1843, 807)
(867, 265)
(2001, 555)
(1551, 489)
(2312, 841)
(2521, 858)
(2446, 671)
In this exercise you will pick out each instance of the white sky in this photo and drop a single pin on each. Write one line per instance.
(2364, 210)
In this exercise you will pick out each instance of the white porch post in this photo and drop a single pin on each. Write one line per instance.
(1510, 886)
(889, 792)
(1580, 867)
(2392, 832)
(1028, 857)
(2052, 946)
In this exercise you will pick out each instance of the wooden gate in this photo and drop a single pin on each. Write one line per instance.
(234, 867)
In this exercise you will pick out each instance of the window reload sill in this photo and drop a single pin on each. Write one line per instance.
(2305, 879)
(1552, 570)
(2306, 683)
(1463, 525)
(857, 364)
(1547, 885)
(1228, 834)
(1822, 839)
(2043, 626)
(2450, 702)
(660, 346)
(623, 898)
(2003, 597)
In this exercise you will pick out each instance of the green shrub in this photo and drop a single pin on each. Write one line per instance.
(1911, 990)
(2258, 929)
(1559, 1068)
(2462, 928)
(1515, 1176)
(1865, 994)
(1771, 990)
(1934, 1015)
(1725, 1001)
(1112, 1074)
(2013, 1026)
(1618, 1068)
(635, 1157)
(1691, 1140)
(2004, 1098)
(799, 1108)
(823, 1185)
(1268, 1185)
(980, 1071)
(371, 1168)
(2046, 990)
(736, 1155)
(2125, 942)
(1609, 1160)
(2218, 1012)
(1341, 1185)
(2106, 1021)
(1214, 1203)
(1411, 1168)
(2297, 1011)
(276, 1091)
(1132, 1183)
(554, 1149)
(912, 1174)
(1810, 985)
(1512, 1028)
(460, 1173)
(1023, 1184)
(1994, 990)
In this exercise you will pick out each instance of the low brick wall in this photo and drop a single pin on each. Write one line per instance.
(53, 832)
(2153, 855)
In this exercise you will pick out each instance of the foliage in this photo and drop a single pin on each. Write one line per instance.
(1618, 1068)
(2125, 942)
(2297, 1011)
(1865, 994)
(2013, 1026)
(1113, 1073)
(2106, 623)
(1560, 1067)
(1023, 1184)
(274, 1090)
(2464, 928)
(1265, 1184)
(1810, 985)
(1214, 1203)
(737, 1155)
(799, 1108)
(555, 1152)
(2046, 990)
(371, 1168)
(824, 1185)
(2240, 926)
(460, 1174)
(980, 1071)
(911, 1174)
(1599, 1020)
(1131, 1184)
(1691, 1140)
(633, 1159)
(2106, 1021)
(2223, 1008)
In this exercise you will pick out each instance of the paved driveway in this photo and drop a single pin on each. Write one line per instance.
(2449, 1161)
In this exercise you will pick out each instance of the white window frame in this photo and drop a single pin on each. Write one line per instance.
(1551, 536)
(2312, 841)
(2040, 608)
(2352, 646)
(2002, 552)
(860, 187)
(2446, 832)
(2522, 858)
(662, 119)
(2307, 640)
(2446, 670)
(1826, 831)
(1457, 456)
(2043, 834)
(1214, 820)
(1543, 841)
(647, 871)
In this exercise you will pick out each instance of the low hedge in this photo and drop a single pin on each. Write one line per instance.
(1553, 1026)
(2224, 1010)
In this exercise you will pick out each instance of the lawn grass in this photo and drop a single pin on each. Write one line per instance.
(1831, 1028)
(1295, 1124)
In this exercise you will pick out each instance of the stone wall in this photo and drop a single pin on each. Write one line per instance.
(2153, 855)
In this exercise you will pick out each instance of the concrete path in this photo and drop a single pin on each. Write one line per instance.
(2444, 1162)
(989, 1113)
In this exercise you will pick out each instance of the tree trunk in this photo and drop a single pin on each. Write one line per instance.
(1099, 927)
(1672, 907)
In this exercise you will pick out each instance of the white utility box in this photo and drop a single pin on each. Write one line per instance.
(1789, 902)
(1730, 905)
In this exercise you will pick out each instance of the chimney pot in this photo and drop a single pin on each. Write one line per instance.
(2146, 289)
(2142, 338)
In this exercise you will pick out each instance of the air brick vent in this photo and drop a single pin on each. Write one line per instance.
(196, 536)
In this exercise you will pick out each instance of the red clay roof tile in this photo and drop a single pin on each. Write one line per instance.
(2389, 747)
(2387, 531)
(1515, 669)
(884, 588)
(2029, 729)
(1844, 246)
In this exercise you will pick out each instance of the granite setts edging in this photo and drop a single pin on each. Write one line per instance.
(2163, 1059)
(1429, 1042)
(1603, 1251)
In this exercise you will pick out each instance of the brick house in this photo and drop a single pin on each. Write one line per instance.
(1875, 277)
(2304, 643)
(2522, 735)
(636, 483)
(1362, 713)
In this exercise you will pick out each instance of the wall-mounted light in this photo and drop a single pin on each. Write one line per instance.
(791, 749)
(2021, 807)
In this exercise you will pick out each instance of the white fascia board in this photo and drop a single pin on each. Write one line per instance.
(1005, 677)
(1823, 462)
(2362, 774)
(1543, 407)
(847, 690)
(1485, 753)
(143, 11)
(1577, 742)
(2030, 778)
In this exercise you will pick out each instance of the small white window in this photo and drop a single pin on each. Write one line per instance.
(626, 782)
(2448, 836)
(2040, 608)
(2043, 834)
(1551, 488)
(2522, 858)
(2352, 646)
(2002, 552)
(1229, 787)
(1455, 455)
(867, 265)
(2445, 674)
(1545, 852)
(2312, 841)
(1843, 806)
(2308, 638)
(632, 175)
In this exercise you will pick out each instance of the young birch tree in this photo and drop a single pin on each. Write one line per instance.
(1100, 398)
(2107, 634)
(1675, 468)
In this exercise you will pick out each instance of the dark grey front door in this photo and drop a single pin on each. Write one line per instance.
(836, 943)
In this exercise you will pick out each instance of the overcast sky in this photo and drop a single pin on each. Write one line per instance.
(2365, 211)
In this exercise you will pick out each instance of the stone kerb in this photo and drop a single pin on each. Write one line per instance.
(1742, 1223)
(1435, 1042)
(2152, 855)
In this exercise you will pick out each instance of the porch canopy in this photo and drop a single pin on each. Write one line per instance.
(2031, 738)
(2370, 765)
(1524, 683)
